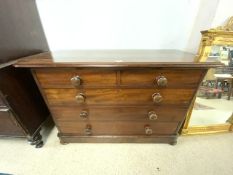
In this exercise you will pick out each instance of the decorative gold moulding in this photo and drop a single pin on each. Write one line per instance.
(210, 129)
(223, 36)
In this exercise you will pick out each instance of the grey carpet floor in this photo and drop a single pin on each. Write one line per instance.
(193, 155)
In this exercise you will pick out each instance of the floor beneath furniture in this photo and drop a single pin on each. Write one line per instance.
(193, 155)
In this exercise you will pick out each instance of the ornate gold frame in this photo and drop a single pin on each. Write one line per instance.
(222, 35)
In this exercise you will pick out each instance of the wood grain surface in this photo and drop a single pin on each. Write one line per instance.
(73, 138)
(118, 127)
(115, 58)
(89, 77)
(118, 96)
(102, 78)
(103, 113)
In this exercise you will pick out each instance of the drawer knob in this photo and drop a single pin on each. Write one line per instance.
(161, 81)
(157, 98)
(83, 114)
(148, 130)
(88, 130)
(76, 81)
(152, 115)
(80, 98)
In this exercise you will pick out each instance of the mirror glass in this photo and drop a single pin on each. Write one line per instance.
(214, 102)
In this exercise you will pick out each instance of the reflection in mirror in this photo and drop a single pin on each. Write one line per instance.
(223, 54)
(214, 102)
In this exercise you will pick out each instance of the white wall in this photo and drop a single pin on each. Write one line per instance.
(223, 12)
(202, 21)
(129, 24)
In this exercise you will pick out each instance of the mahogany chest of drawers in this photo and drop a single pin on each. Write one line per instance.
(117, 96)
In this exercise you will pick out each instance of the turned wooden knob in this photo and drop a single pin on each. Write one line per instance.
(80, 98)
(161, 81)
(157, 98)
(88, 130)
(83, 114)
(152, 115)
(76, 81)
(148, 130)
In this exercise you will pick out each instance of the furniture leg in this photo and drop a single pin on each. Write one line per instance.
(36, 140)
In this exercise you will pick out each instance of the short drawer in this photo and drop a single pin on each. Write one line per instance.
(149, 77)
(53, 77)
(118, 96)
(153, 114)
(118, 128)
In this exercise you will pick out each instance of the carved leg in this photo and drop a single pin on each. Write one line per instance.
(173, 142)
(36, 140)
(63, 142)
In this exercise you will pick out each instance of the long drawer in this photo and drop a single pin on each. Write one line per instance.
(118, 96)
(118, 128)
(140, 77)
(86, 113)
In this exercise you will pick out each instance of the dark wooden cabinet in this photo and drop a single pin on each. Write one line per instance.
(22, 109)
(117, 96)
(21, 32)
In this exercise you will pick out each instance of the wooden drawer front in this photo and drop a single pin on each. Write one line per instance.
(175, 77)
(118, 128)
(7, 124)
(119, 96)
(62, 77)
(118, 113)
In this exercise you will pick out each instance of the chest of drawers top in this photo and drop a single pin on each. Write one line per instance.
(114, 58)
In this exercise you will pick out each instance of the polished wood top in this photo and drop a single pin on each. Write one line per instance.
(113, 58)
